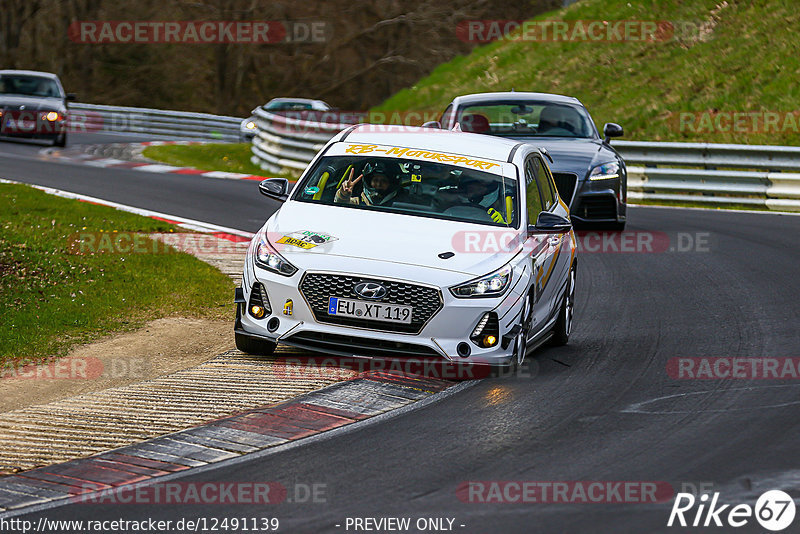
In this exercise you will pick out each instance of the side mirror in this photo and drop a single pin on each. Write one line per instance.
(550, 223)
(432, 124)
(72, 97)
(612, 129)
(275, 188)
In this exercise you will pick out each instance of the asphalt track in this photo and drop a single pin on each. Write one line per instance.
(603, 408)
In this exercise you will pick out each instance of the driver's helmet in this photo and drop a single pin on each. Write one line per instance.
(389, 169)
(489, 186)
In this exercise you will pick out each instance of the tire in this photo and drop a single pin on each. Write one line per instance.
(520, 342)
(254, 345)
(563, 326)
(61, 140)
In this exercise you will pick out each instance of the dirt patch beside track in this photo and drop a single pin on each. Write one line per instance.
(161, 347)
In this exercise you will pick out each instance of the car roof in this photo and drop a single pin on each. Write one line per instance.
(513, 96)
(298, 100)
(30, 73)
(454, 142)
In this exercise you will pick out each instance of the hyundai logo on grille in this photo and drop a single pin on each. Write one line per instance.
(370, 290)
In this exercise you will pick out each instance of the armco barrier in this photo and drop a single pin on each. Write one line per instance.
(752, 175)
(153, 122)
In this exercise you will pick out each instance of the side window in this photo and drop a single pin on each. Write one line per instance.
(551, 181)
(533, 200)
(445, 120)
(543, 177)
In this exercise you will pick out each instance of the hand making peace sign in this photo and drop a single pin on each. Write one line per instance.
(349, 184)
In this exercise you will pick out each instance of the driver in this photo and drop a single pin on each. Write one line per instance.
(381, 183)
(486, 194)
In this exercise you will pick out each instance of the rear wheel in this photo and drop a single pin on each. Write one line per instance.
(563, 326)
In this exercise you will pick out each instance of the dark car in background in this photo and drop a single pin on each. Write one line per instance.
(33, 105)
(590, 175)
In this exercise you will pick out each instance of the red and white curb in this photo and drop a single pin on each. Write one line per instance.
(113, 163)
(228, 439)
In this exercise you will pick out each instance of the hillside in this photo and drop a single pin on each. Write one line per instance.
(728, 73)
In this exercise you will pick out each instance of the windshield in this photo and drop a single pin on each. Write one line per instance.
(29, 86)
(288, 106)
(527, 119)
(412, 187)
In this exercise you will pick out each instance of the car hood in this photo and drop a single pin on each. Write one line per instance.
(34, 103)
(574, 155)
(404, 242)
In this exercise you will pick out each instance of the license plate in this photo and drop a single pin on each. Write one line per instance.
(376, 311)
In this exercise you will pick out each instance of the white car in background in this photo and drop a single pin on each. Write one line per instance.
(247, 128)
(468, 255)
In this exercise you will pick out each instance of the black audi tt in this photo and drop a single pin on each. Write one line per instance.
(590, 175)
(33, 105)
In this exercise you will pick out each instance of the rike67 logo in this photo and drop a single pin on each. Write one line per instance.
(774, 510)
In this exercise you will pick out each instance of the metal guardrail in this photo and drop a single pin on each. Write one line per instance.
(753, 175)
(285, 144)
(153, 122)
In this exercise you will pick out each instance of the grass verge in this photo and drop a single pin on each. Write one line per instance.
(724, 57)
(52, 298)
(228, 157)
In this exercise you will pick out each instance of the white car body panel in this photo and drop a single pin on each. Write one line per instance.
(390, 246)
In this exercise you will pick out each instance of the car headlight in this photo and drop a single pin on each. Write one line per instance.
(51, 116)
(606, 171)
(250, 125)
(491, 285)
(267, 258)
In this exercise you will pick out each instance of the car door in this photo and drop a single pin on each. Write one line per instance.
(538, 244)
(556, 259)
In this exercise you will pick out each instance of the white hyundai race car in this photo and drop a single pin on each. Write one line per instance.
(412, 243)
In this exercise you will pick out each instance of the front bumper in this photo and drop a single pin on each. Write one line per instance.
(602, 201)
(439, 338)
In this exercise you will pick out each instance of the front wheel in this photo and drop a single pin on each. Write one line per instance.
(563, 326)
(61, 140)
(253, 345)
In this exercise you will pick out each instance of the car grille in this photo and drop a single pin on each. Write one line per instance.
(566, 183)
(318, 287)
(360, 346)
(597, 208)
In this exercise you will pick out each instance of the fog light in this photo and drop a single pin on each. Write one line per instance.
(257, 311)
(487, 331)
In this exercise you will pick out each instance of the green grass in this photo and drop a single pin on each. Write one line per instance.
(53, 297)
(229, 157)
(745, 59)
